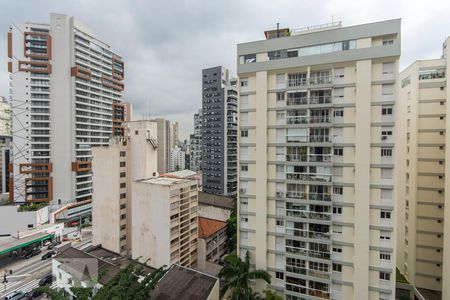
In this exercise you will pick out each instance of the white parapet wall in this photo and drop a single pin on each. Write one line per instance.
(12, 220)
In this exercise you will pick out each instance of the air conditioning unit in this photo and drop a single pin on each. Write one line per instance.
(383, 137)
(280, 194)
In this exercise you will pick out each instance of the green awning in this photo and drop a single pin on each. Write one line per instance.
(18, 244)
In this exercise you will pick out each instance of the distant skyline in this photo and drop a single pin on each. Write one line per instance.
(166, 44)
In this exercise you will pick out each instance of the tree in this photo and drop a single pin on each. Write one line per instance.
(271, 295)
(237, 276)
(232, 231)
(51, 294)
(130, 283)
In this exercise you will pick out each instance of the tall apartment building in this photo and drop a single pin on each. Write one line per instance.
(316, 170)
(164, 145)
(219, 131)
(115, 167)
(164, 220)
(174, 134)
(177, 159)
(196, 143)
(66, 96)
(5, 117)
(424, 230)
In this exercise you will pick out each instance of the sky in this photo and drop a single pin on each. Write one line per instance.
(166, 44)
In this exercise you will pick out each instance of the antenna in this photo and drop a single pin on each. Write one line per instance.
(278, 29)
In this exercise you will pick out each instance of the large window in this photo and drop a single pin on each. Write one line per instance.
(432, 74)
(247, 59)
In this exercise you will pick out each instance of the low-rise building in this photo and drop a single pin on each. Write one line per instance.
(95, 267)
(15, 218)
(211, 245)
(215, 207)
(164, 220)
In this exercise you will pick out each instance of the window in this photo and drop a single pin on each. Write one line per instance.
(122, 185)
(123, 174)
(337, 229)
(388, 42)
(244, 168)
(280, 115)
(338, 190)
(123, 217)
(244, 133)
(123, 196)
(123, 206)
(386, 111)
(122, 164)
(339, 113)
(385, 235)
(337, 210)
(244, 82)
(123, 153)
(247, 59)
(385, 256)
(386, 152)
(338, 151)
(339, 73)
(388, 68)
(385, 276)
(279, 275)
(280, 96)
(387, 89)
(337, 268)
(244, 219)
(280, 222)
(337, 249)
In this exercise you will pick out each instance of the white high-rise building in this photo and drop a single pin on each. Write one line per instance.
(423, 255)
(177, 159)
(5, 117)
(66, 95)
(316, 199)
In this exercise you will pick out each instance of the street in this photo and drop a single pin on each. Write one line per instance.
(28, 272)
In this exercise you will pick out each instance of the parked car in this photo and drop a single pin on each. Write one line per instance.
(47, 279)
(48, 255)
(34, 252)
(33, 294)
(15, 296)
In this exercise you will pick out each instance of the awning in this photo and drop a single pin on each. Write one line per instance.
(14, 244)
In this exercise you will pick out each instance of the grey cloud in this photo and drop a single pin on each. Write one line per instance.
(166, 44)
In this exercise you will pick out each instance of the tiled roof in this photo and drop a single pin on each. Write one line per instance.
(208, 227)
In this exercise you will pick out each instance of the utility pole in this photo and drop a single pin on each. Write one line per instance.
(5, 280)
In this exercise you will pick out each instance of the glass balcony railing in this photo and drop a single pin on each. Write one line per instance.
(319, 196)
(319, 99)
(321, 216)
(297, 120)
(311, 100)
(320, 157)
(308, 234)
(296, 157)
(308, 253)
(321, 80)
(296, 195)
(319, 138)
(297, 82)
(297, 101)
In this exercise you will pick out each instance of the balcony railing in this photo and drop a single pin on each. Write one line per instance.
(319, 139)
(308, 176)
(308, 234)
(308, 253)
(319, 196)
(296, 195)
(313, 273)
(320, 157)
(310, 100)
(296, 157)
(308, 214)
(297, 82)
(307, 119)
(321, 80)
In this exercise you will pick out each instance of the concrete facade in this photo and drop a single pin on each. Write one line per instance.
(66, 94)
(219, 131)
(164, 221)
(316, 192)
(423, 235)
(196, 143)
(164, 145)
(115, 167)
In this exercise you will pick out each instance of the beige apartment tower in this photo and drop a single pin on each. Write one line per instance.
(424, 235)
(316, 159)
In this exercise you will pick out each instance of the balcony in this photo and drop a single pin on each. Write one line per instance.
(296, 120)
(319, 139)
(308, 253)
(319, 196)
(320, 99)
(308, 234)
(296, 195)
(320, 157)
(294, 82)
(296, 157)
(316, 80)
(296, 101)
(320, 216)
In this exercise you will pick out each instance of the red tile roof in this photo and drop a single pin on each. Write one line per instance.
(208, 227)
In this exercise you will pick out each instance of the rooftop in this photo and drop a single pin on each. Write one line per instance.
(106, 263)
(181, 283)
(208, 227)
(163, 180)
(216, 200)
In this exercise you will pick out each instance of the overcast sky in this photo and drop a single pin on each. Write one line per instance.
(166, 44)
